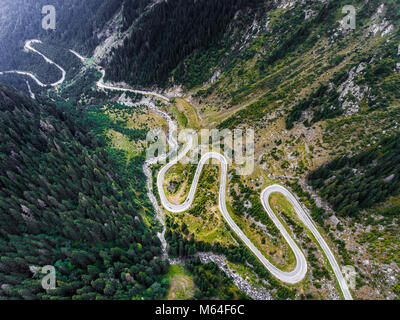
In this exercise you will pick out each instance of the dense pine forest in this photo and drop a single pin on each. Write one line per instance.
(65, 201)
(168, 34)
(352, 184)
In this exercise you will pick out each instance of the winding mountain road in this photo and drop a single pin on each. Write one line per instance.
(292, 277)
(28, 47)
(300, 270)
(306, 219)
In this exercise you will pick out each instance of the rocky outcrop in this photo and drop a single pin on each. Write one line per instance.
(351, 93)
(383, 26)
(256, 293)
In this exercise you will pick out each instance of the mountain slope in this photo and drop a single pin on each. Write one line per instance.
(313, 92)
(324, 103)
(65, 202)
(170, 32)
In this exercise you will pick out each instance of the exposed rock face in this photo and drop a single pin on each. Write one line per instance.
(247, 204)
(334, 220)
(113, 38)
(256, 293)
(284, 4)
(215, 76)
(389, 178)
(384, 26)
(243, 285)
(267, 28)
(34, 269)
(350, 93)
(309, 14)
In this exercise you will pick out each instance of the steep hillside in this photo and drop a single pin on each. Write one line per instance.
(21, 20)
(78, 26)
(69, 201)
(170, 32)
(357, 183)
